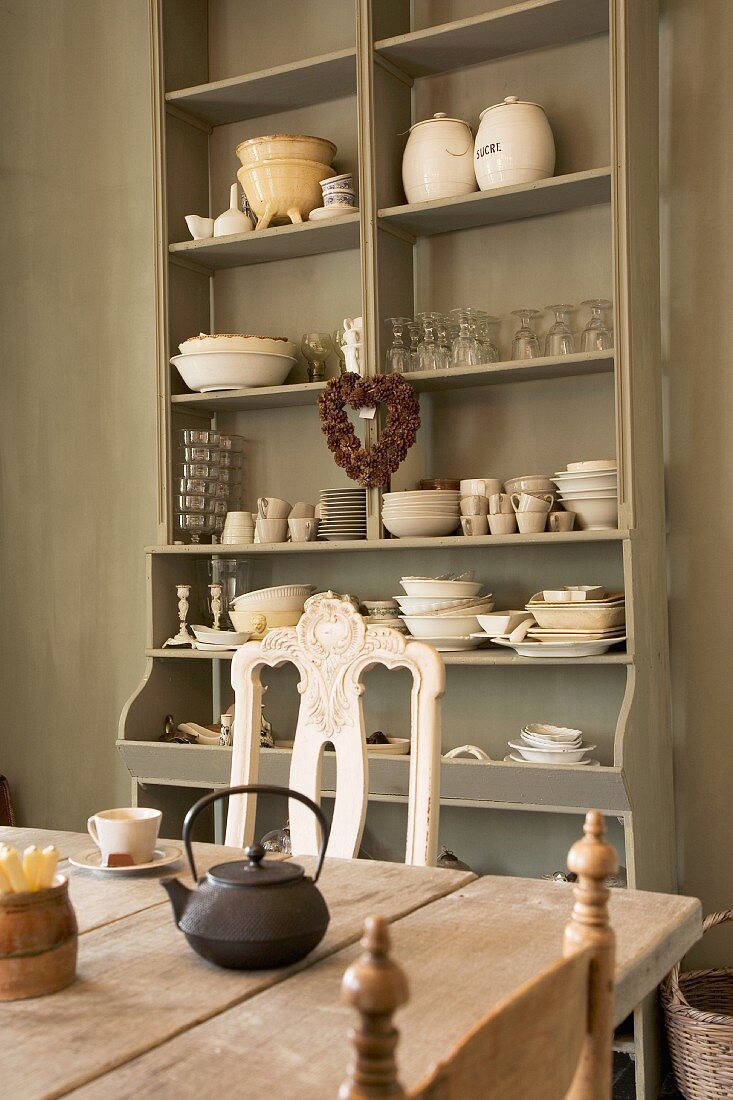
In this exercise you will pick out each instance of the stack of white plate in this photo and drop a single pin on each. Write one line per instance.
(343, 515)
(590, 489)
(542, 744)
(422, 514)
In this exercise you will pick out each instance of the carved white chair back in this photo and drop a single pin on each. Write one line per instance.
(332, 648)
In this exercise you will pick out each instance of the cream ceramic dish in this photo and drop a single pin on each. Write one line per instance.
(594, 514)
(551, 754)
(426, 605)
(326, 213)
(426, 527)
(593, 464)
(578, 617)
(556, 649)
(433, 626)
(530, 483)
(220, 638)
(263, 597)
(515, 758)
(467, 607)
(271, 147)
(232, 370)
(283, 190)
(260, 622)
(552, 733)
(435, 586)
(237, 341)
(502, 622)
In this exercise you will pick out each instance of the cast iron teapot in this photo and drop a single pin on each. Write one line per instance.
(252, 914)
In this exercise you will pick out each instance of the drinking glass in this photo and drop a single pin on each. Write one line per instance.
(596, 336)
(414, 328)
(338, 338)
(525, 344)
(493, 354)
(398, 356)
(559, 339)
(443, 327)
(428, 350)
(316, 347)
(466, 350)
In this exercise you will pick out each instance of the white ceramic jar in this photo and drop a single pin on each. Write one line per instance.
(438, 160)
(514, 144)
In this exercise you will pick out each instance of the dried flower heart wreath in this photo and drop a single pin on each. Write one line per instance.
(370, 468)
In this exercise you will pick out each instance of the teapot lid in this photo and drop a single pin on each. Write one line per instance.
(255, 870)
(441, 116)
(510, 101)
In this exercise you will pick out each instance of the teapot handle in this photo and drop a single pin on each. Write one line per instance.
(254, 788)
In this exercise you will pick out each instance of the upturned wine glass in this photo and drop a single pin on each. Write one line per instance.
(559, 339)
(525, 344)
(316, 347)
(338, 338)
(414, 328)
(466, 350)
(398, 356)
(428, 350)
(596, 336)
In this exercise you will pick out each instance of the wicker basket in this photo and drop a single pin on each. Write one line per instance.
(698, 1009)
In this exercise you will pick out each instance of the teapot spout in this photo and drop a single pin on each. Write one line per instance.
(179, 895)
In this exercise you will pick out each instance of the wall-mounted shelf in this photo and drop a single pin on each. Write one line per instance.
(264, 246)
(462, 782)
(285, 88)
(449, 542)
(517, 29)
(474, 657)
(268, 397)
(501, 204)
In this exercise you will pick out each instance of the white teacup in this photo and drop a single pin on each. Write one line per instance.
(238, 519)
(500, 504)
(526, 502)
(129, 831)
(502, 523)
(273, 508)
(271, 530)
(301, 510)
(475, 525)
(480, 486)
(561, 521)
(531, 523)
(303, 530)
(474, 506)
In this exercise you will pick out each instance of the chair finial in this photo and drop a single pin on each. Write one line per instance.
(376, 986)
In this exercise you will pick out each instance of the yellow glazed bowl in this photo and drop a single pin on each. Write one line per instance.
(257, 150)
(283, 189)
(259, 622)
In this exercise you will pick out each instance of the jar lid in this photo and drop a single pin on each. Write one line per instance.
(255, 871)
(441, 116)
(510, 101)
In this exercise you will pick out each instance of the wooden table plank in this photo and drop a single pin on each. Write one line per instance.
(140, 984)
(462, 954)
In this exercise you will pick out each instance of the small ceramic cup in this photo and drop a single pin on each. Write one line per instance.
(500, 503)
(273, 508)
(561, 521)
(271, 530)
(131, 830)
(480, 486)
(238, 519)
(338, 198)
(303, 530)
(200, 228)
(338, 183)
(531, 523)
(301, 510)
(503, 523)
(474, 506)
(475, 525)
(526, 502)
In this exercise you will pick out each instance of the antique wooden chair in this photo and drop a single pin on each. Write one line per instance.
(332, 648)
(550, 1040)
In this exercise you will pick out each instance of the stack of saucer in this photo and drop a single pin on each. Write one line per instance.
(542, 744)
(422, 514)
(239, 529)
(343, 515)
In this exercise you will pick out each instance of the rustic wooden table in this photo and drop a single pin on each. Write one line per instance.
(148, 1017)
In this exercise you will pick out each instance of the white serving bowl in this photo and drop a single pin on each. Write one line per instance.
(237, 341)
(502, 622)
(589, 494)
(425, 605)
(431, 527)
(421, 496)
(595, 513)
(530, 483)
(209, 636)
(466, 608)
(421, 513)
(270, 147)
(594, 464)
(259, 621)
(434, 586)
(267, 597)
(580, 482)
(551, 756)
(578, 616)
(437, 626)
(555, 733)
(232, 370)
(283, 189)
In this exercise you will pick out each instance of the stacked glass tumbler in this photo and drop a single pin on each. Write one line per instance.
(208, 480)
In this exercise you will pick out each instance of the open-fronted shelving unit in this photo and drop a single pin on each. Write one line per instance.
(361, 73)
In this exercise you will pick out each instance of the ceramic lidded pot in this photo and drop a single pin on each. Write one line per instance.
(514, 144)
(437, 162)
(38, 942)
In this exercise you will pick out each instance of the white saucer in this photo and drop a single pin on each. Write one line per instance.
(163, 856)
(336, 210)
(512, 758)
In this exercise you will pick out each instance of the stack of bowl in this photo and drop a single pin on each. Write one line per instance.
(268, 608)
(383, 613)
(444, 612)
(542, 744)
(421, 514)
(281, 175)
(590, 489)
(234, 361)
